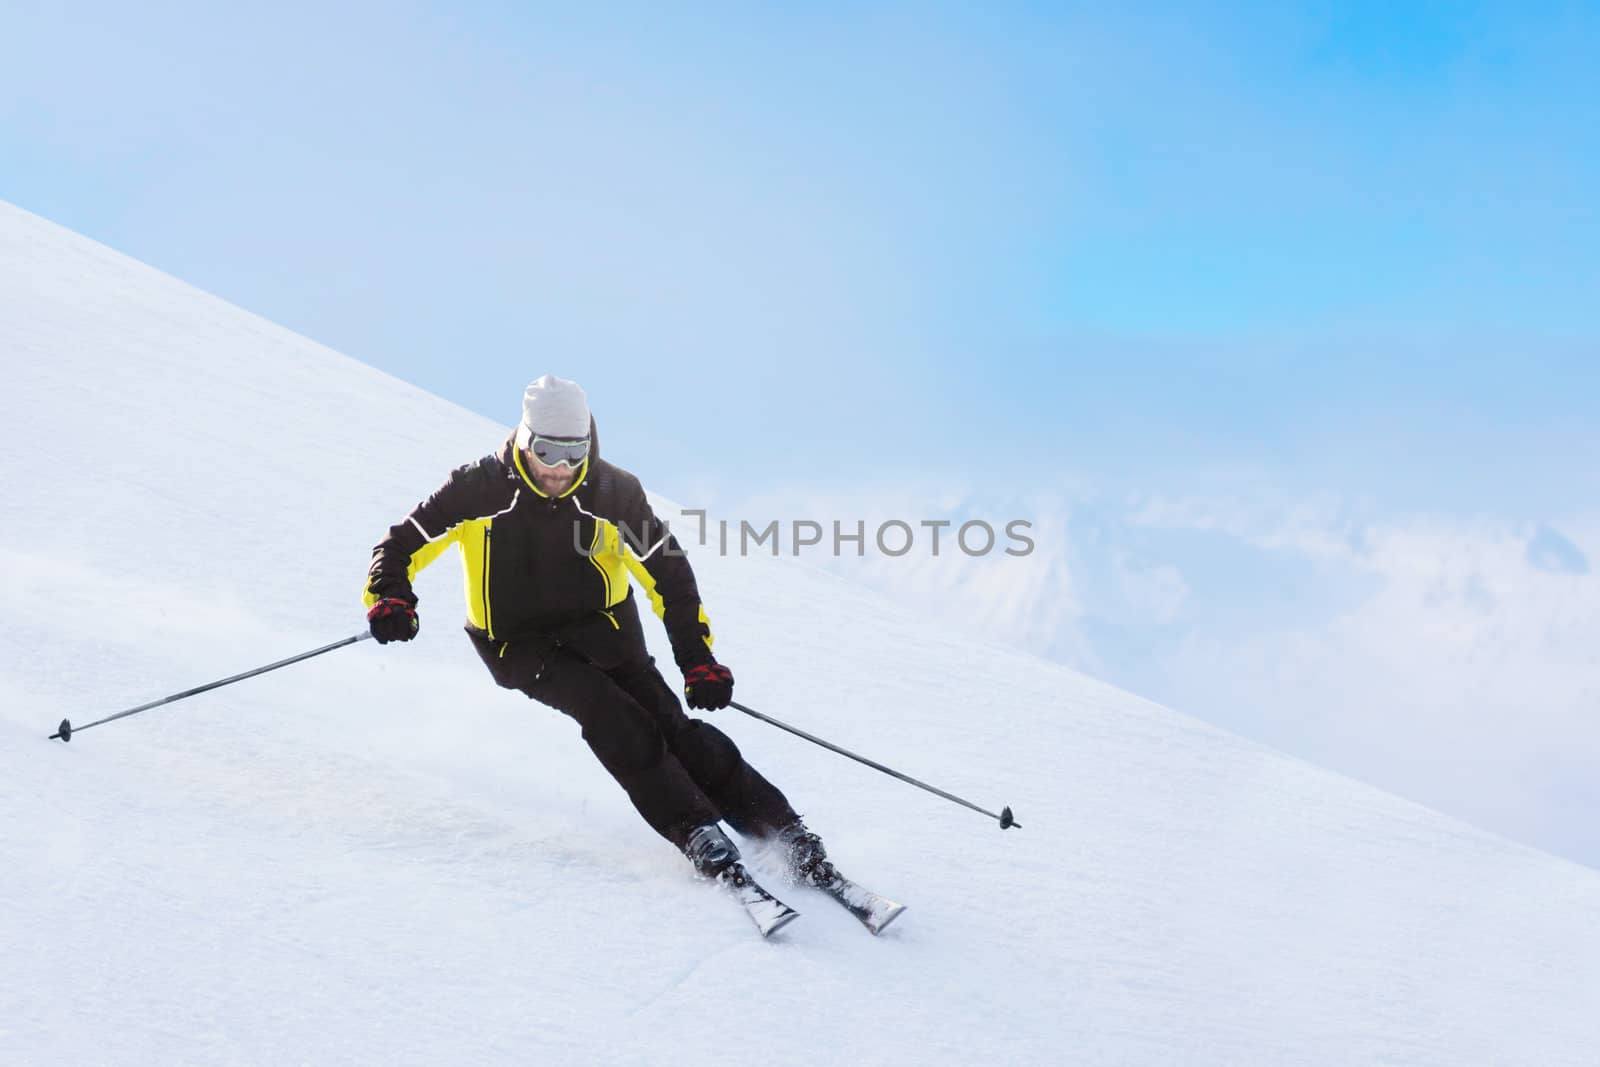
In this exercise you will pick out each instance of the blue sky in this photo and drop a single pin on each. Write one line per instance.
(1215, 288)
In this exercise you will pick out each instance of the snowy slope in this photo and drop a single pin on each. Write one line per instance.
(378, 857)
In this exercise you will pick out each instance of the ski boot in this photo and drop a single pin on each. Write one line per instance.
(807, 860)
(712, 854)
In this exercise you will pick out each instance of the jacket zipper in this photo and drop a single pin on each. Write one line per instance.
(488, 620)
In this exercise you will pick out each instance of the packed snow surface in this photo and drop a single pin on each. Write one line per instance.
(378, 857)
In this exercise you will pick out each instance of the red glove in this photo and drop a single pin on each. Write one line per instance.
(708, 686)
(392, 619)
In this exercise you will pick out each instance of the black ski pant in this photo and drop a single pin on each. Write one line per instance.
(679, 772)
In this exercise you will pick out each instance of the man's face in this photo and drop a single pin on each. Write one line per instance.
(552, 481)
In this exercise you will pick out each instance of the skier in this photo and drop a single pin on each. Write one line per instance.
(549, 533)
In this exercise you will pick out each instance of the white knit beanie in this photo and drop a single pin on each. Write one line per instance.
(553, 407)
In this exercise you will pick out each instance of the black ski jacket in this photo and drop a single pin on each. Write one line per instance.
(536, 564)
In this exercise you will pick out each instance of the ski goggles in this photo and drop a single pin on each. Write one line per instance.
(558, 451)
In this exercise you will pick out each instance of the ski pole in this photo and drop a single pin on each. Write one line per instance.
(1005, 817)
(67, 729)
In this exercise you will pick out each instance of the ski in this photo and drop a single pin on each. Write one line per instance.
(875, 912)
(765, 910)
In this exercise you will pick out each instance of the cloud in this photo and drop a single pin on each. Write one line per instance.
(1461, 676)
